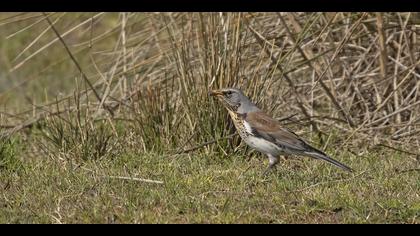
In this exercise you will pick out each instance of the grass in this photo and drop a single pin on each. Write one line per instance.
(71, 152)
(208, 188)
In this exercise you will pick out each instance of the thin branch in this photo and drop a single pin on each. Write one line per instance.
(399, 150)
(76, 63)
(206, 144)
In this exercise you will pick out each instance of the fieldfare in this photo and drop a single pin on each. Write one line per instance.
(264, 133)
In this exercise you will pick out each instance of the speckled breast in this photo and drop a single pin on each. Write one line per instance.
(239, 124)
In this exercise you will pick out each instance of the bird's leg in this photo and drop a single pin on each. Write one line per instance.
(268, 169)
(272, 163)
(285, 158)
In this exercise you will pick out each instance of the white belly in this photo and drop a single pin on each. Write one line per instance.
(263, 146)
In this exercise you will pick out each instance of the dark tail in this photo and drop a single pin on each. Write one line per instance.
(320, 155)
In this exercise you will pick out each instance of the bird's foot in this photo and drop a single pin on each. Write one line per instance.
(269, 169)
(284, 158)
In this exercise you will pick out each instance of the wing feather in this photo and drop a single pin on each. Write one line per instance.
(264, 126)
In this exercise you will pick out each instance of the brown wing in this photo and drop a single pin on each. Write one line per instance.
(264, 126)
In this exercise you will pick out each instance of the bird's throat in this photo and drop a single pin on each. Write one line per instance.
(237, 118)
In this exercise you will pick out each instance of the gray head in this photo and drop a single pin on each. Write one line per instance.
(234, 100)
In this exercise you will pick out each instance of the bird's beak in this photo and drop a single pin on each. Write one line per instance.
(216, 93)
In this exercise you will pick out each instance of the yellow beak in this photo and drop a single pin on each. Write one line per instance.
(216, 93)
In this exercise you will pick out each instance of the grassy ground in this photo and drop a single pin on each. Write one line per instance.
(209, 189)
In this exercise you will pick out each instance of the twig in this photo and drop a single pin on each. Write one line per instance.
(134, 179)
(399, 150)
(287, 117)
(39, 117)
(28, 123)
(404, 135)
(124, 177)
(409, 170)
(325, 182)
(206, 143)
(6, 126)
(76, 63)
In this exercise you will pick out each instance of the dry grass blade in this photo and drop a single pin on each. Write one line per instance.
(51, 43)
(340, 47)
(135, 179)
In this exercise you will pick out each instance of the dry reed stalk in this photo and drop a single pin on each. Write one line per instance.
(383, 50)
(289, 81)
(307, 55)
(367, 71)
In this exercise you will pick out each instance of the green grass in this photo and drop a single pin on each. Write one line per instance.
(212, 189)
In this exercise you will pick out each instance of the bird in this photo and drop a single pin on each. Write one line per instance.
(264, 133)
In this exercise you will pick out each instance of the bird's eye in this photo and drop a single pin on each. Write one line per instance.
(228, 93)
